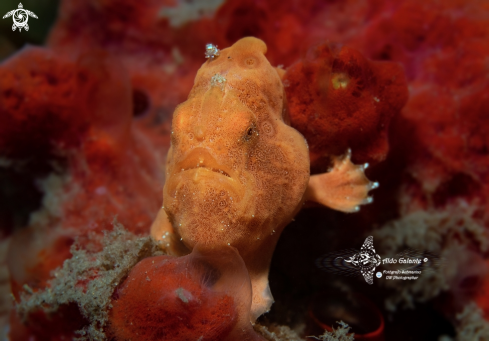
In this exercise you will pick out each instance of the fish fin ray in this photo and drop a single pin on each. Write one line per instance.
(344, 188)
(163, 233)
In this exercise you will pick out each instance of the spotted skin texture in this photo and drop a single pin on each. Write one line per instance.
(236, 173)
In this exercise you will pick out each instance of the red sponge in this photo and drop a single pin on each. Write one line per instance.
(339, 99)
(202, 296)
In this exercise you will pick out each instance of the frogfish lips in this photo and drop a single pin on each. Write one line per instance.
(200, 169)
(201, 158)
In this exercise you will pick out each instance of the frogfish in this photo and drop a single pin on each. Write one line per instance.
(237, 172)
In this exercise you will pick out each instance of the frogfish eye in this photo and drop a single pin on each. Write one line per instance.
(249, 133)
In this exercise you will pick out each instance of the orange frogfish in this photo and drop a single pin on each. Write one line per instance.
(237, 172)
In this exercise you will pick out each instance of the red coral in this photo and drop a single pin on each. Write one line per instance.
(338, 99)
(441, 150)
(41, 326)
(76, 112)
(34, 268)
(40, 106)
(161, 61)
(80, 111)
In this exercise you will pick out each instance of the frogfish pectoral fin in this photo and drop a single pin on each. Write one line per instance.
(262, 296)
(162, 231)
(344, 188)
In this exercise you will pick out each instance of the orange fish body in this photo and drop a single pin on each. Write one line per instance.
(236, 172)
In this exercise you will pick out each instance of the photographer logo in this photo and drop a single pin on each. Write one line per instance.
(20, 17)
(408, 264)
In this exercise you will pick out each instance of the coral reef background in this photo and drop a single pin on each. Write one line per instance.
(85, 125)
